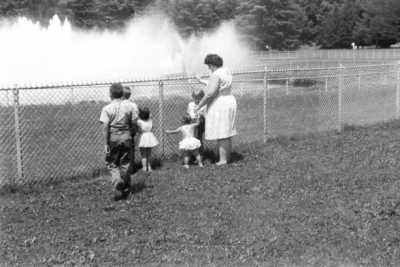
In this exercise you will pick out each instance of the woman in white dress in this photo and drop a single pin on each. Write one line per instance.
(221, 107)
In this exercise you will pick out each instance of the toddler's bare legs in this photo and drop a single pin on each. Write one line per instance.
(145, 153)
(198, 158)
(186, 159)
(148, 156)
(144, 158)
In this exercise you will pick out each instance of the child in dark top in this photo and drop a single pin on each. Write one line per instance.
(117, 119)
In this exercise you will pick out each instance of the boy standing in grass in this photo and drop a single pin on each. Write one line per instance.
(117, 119)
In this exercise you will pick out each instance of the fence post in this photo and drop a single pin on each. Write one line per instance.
(161, 116)
(398, 89)
(326, 85)
(20, 174)
(287, 86)
(359, 82)
(265, 98)
(7, 99)
(384, 79)
(72, 95)
(340, 96)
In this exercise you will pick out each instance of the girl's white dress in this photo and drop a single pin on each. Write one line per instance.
(146, 138)
(221, 112)
(189, 142)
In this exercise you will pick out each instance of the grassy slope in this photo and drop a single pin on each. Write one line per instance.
(316, 200)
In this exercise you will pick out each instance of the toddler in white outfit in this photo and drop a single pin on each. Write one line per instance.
(189, 144)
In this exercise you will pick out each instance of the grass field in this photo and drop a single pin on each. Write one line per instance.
(313, 200)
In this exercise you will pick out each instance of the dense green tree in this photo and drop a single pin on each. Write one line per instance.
(336, 31)
(197, 16)
(281, 24)
(82, 13)
(380, 23)
(276, 23)
(103, 13)
(315, 12)
(39, 10)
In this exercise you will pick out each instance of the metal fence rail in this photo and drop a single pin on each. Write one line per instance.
(341, 54)
(52, 132)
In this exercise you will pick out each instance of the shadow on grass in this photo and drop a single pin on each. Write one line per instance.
(138, 187)
(36, 186)
(212, 156)
(156, 163)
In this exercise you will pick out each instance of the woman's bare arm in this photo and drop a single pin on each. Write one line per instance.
(200, 80)
(212, 90)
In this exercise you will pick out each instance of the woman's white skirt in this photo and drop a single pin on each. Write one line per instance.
(221, 117)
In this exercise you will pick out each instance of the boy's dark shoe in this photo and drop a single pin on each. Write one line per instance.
(120, 195)
(120, 186)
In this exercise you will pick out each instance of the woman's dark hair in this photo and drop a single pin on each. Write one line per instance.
(186, 120)
(144, 113)
(214, 60)
(116, 90)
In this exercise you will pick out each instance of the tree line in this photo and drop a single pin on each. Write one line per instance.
(280, 24)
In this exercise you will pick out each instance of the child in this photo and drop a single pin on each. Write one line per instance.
(189, 144)
(197, 96)
(117, 118)
(147, 140)
(126, 96)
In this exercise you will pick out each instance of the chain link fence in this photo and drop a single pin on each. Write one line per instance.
(337, 54)
(52, 132)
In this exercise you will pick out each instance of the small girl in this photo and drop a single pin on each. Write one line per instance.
(189, 144)
(147, 140)
(197, 96)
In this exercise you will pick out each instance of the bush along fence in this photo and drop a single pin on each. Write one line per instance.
(52, 132)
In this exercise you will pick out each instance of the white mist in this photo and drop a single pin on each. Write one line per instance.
(148, 47)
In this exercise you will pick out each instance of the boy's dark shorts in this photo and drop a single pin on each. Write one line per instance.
(120, 150)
